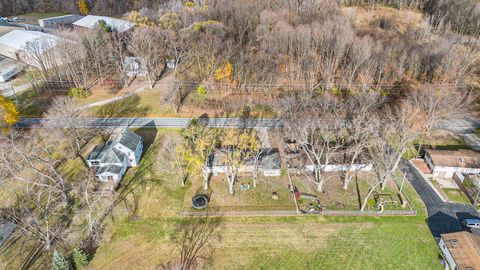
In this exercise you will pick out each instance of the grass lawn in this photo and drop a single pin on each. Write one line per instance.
(31, 104)
(303, 242)
(456, 195)
(443, 140)
(259, 198)
(335, 197)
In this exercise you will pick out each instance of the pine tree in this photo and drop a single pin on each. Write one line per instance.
(59, 262)
(80, 259)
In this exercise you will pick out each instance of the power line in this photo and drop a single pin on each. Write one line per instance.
(277, 88)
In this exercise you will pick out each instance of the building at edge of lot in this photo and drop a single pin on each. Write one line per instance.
(113, 157)
(461, 250)
(59, 21)
(445, 163)
(91, 21)
(15, 45)
(269, 163)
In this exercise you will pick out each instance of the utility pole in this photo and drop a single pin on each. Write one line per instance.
(14, 94)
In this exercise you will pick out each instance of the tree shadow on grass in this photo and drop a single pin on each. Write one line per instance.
(127, 107)
(33, 104)
(134, 185)
(194, 239)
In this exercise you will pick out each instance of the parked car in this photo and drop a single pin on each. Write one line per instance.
(472, 223)
(18, 19)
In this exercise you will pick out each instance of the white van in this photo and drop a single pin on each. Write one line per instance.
(473, 223)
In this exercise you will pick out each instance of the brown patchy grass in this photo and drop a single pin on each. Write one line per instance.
(383, 22)
(259, 198)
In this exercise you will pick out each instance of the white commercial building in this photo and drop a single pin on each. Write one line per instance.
(91, 21)
(23, 45)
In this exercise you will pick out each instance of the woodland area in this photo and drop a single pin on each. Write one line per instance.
(273, 48)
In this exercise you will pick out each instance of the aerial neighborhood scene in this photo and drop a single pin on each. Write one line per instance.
(239, 134)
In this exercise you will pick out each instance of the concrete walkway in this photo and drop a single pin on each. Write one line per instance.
(8, 90)
(139, 89)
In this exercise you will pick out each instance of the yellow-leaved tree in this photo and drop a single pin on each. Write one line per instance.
(198, 146)
(8, 112)
(139, 19)
(224, 72)
(83, 7)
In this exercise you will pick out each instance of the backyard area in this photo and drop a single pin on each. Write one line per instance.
(247, 243)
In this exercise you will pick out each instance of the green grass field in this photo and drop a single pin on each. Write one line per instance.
(303, 242)
(456, 195)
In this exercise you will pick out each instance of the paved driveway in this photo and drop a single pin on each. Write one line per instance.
(442, 217)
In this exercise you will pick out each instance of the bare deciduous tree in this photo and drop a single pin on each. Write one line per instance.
(193, 239)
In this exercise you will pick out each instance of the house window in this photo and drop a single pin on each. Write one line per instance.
(95, 162)
(128, 153)
(130, 160)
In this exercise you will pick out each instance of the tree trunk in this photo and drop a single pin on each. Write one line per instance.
(231, 182)
(255, 178)
(346, 180)
(205, 179)
(149, 80)
(319, 180)
(392, 170)
(365, 201)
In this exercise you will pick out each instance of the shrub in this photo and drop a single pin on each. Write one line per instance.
(80, 259)
(77, 93)
(202, 90)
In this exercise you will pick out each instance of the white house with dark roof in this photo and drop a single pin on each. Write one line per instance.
(91, 21)
(445, 163)
(268, 163)
(112, 158)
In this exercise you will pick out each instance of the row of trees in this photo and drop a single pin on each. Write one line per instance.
(54, 205)
(364, 127)
(307, 45)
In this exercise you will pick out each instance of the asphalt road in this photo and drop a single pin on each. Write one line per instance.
(152, 122)
(442, 217)
(157, 122)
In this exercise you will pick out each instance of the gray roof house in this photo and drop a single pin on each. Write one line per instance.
(112, 158)
(268, 162)
(135, 67)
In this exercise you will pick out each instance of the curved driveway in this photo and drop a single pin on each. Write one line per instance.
(442, 217)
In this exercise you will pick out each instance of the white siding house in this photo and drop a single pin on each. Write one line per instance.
(342, 168)
(268, 163)
(461, 250)
(445, 163)
(116, 155)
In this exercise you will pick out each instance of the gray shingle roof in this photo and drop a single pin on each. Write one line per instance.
(97, 152)
(115, 169)
(113, 155)
(128, 139)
